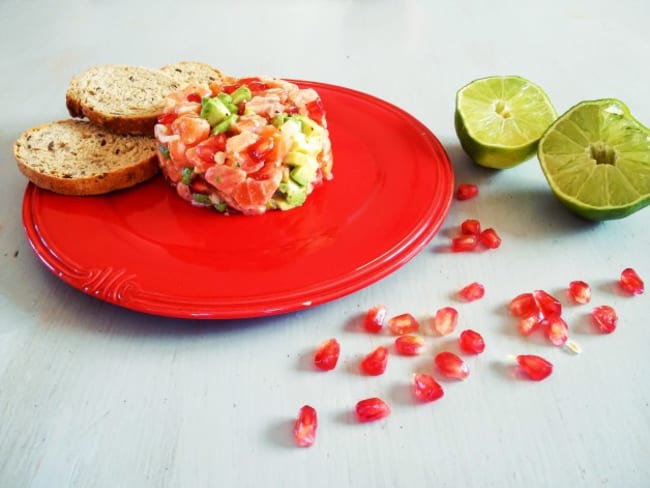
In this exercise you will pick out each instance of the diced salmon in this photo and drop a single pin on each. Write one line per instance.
(269, 105)
(191, 128)
(251, 195)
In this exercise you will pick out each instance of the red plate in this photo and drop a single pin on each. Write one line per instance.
(146, 249)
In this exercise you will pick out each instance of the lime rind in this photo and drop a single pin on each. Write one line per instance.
(596, 159)
(499, 119)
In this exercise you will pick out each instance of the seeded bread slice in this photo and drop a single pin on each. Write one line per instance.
(74, 157)
(123, 99)
(188, 72)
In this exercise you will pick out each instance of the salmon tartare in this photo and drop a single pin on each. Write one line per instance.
(246, 145)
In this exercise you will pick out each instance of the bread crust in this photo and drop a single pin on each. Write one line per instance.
(126, 176)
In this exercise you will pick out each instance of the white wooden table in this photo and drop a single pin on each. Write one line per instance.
(96, 395)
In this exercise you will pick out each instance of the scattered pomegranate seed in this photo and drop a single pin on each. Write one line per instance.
(472, 292)
(471, 342)
(327, 355)
(528, 324)
(464, 243)
(556, 329)
(409, 345)
(605, 318)
(471, 226)
(372, 409)
(580, 292)
(489, 238)
(631, 282)
(548, 305)
(445, 320)
(374, 363)
(304, 429)
(466, 191)
(523, 305)
(451, 366)
(403, 324)
(536, 367)
(427, 389)
(375, 317)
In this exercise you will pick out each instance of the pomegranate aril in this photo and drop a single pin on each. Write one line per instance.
(472, 292)
(489, 238)
(426, 389)
(471, 227)
(523, 305)
(547, 304)
(471, 342)
(556, 329)
(528, 324)
(327, 355)
(536, 367)
(372, 409)
(403, 324)
(466, 191)
(375, 363)
(374, 319)
(304, 429)
(445, 320)
(409, 345)
(464, 243)
(605, 318)
(631, 282)
(451, 366)
(580, 292)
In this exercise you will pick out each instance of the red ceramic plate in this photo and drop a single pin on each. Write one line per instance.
(146, 249)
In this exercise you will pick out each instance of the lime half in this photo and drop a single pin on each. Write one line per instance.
(596, 158)
(500, 119)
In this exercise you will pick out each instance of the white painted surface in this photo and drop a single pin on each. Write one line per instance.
(93, 395)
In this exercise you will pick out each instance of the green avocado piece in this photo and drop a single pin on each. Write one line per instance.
(308, 126)
(297, 158)
(214, 111)
(303, 175)
(295, 195)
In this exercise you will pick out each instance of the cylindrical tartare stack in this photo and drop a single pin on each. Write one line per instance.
(247, 145)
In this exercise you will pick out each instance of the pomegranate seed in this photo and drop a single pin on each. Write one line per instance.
(451, 365)
(466, 191)
(403, 324)
(489, 238)
(445, 320)
(471, 226)
(372, 409)
(472, 292)
(304, 429)
(536, 367)
(374, 363)
(547, 304)
(523, 305)
(464, 243)
(528, 324)
(605, 318)
(471, 342)
(631, 282)
(557, 330)
(327, 355)
(375, 317)
(426, 389)
(409, 345)
(580, 292)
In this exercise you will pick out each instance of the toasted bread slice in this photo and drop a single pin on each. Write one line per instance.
(189, 72)
(74, 157)
(123, 99)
